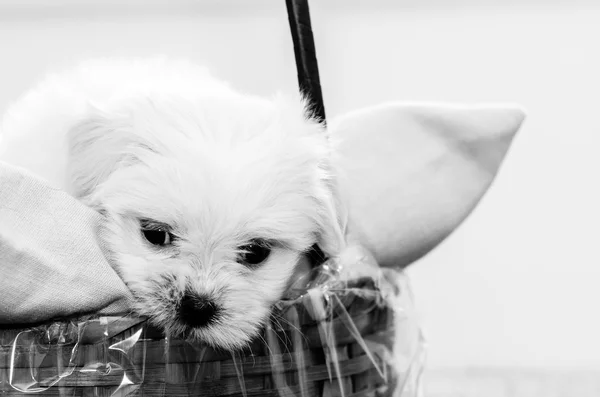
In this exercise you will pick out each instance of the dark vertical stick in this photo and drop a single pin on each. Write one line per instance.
(306, 57)
(308, 76)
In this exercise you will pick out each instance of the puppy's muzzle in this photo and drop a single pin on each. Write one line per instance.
(197, 311)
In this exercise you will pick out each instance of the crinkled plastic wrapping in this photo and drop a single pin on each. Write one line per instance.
(327, 338)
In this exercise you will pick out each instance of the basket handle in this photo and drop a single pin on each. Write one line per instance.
(308, 77)
(306, 57)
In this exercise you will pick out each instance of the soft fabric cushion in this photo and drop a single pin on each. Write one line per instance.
(411, 173)
(51, 261)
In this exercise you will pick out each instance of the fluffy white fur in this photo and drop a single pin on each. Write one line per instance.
(164, 140)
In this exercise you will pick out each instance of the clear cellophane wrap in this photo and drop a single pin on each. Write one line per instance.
(327, 337)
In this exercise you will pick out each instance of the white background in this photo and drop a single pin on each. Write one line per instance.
(517, 284)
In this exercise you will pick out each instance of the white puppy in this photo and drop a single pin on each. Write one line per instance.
(210, 197)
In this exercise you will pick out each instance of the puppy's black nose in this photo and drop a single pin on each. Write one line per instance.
(196, 311)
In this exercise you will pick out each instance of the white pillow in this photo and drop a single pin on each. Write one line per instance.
(411, 173)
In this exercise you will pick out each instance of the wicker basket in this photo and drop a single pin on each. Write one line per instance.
(344, 351)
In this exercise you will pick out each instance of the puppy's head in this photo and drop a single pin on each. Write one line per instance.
(209, 204)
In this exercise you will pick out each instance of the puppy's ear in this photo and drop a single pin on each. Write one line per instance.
(98, 145)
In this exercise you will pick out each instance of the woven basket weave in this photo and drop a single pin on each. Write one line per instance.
(340, 354)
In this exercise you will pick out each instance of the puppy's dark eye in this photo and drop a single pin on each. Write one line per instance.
(156, 233)
(255, 253)
(157, 237)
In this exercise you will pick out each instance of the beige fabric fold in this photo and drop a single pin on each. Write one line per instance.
(51, 260)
